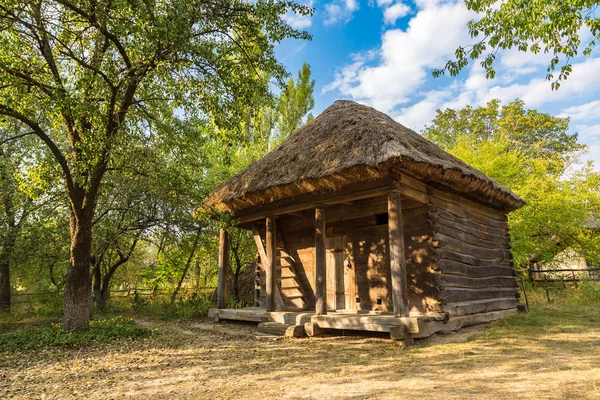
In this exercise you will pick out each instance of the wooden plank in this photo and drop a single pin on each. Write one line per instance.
(457, 245)
(356, 191)
(259, 244)
(466, 237)
(479, 270)
(461, 212)
(271, 284)
(397, 256)
(478, 282)
(277, 329)
(453, 295)
(480, 306)
(471, 228)
(445, 254)
(320, 262)
(438, 214)
(457, 323)
(223, 268)
(472, 206)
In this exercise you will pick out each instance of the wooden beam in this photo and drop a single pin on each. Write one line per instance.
(354, 192)
(223, 268)
(270, 268)
(320, 262)
(397, 255)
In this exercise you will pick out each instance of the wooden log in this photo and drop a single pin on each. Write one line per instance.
(442, 255)
(461, 212)
(271, 284)
(313, 329)
(453, 295)
(457, 323)
(439, 217)
(397, 256)
(469, 205)
(320, 262)
(477, 282)
(449, 243)
(457, 233)
(353, 192)
(223, 268)
(480, 306)
(277, 329)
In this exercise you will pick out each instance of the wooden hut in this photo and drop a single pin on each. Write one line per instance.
(362, 224)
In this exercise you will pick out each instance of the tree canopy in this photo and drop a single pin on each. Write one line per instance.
(555, 27)
(532, 154)
(94, 79)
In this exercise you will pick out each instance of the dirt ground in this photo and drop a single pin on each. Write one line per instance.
(204, 360)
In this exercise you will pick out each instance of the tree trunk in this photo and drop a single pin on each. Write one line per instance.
(77, 280)
(4, 283)
(99, 299)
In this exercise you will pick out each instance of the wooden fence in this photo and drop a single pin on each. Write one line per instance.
(563, 275)
(28, 297)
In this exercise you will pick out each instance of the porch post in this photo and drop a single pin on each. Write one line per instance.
(223, 267)
(320, 262)
(397, 255)
(270, 268)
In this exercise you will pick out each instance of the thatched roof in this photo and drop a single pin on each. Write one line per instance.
(347, 143)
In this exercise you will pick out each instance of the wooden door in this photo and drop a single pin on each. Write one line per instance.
(372, 268)
(337, 277)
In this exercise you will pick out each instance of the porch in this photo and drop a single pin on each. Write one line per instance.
(402, 328)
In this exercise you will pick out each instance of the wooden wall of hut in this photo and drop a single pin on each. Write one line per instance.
(358, 239)
(472, 251)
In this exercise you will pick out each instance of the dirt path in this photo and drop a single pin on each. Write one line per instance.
(224, 361)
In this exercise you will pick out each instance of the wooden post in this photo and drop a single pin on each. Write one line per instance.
(397, 255)
(270, 268)
(320, 262)
(223, 267)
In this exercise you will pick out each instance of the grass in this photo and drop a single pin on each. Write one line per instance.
(101, 330)
(551, 352)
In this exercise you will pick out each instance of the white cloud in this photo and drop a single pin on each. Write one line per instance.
(406, 57)
(297, 21)
(340, 11)
(398, 10)
(585, 111)
(383, 3)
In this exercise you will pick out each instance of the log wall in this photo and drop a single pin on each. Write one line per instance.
(472, 251)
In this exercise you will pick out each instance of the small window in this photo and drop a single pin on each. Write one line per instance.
(381, 219)
(379, 301)
(358, 299)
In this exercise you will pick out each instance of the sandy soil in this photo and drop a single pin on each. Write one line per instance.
(223, 361)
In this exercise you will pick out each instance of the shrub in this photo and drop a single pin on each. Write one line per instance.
(101, 330)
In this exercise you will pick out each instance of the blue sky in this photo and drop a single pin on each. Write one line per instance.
(381, 53)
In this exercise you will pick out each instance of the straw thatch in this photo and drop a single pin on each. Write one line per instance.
(348, 143)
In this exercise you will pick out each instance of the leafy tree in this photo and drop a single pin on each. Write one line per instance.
(550, 26)
(295, 103)
(87, 77)
(532, 154)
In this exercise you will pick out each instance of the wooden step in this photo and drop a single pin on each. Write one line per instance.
(277, 329)
(286, 277)
(290, 287)
(296, 296)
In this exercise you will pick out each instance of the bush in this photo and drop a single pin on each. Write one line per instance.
(102, 330)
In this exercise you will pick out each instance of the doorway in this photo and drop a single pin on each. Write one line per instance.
(340, 274)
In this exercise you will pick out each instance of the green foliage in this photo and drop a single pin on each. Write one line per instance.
(550, 26)
(101, 330)
(533, 155)
(193, 306)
